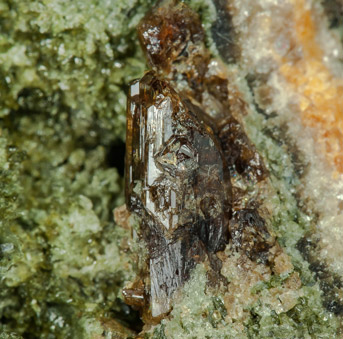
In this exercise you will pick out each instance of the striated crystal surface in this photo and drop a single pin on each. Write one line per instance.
(177, 181)
(174, 43)
(183, 146)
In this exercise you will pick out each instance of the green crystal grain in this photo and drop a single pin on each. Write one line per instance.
(64, 68)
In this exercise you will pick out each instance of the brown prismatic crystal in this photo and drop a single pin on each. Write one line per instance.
(177, 182)
(182, 145)
(174, 43)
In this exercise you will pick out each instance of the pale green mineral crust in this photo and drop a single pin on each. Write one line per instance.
(64, 67)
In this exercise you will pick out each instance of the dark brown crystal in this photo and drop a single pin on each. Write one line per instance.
(169, 35)
(183, 143)
(177, 181)
(239, 153)
(135, 294)
(174, 43)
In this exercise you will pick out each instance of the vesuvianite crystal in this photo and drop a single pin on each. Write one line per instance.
(174, 43)
(182, 145)
(177, 181)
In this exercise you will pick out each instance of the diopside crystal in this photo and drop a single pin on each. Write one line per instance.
(177, 182)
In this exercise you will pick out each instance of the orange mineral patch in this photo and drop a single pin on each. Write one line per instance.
(321, 93)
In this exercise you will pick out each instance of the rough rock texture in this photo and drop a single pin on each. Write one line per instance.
(65, 68)
(274, 280)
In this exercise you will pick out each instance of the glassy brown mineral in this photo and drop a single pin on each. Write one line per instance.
(174, 43)
(182, 145)
(177, 182)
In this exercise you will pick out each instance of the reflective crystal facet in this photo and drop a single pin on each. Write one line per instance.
(177, 181)
(183, 144)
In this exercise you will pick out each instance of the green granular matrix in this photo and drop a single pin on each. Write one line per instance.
(64, 68)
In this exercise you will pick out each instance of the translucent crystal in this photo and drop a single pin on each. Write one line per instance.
(183, 144)
(184, 200)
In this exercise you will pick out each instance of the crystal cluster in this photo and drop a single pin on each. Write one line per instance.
(183, 144)
(177, 181)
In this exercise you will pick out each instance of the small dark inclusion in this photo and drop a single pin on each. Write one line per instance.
(179, 159)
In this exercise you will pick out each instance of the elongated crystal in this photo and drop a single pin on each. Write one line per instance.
(177, 182)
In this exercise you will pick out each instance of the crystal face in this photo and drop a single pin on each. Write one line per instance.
(174, 42)
(173, 32)
(189, 164)
(177, 181)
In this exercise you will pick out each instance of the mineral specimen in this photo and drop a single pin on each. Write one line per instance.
(269, 73)
(174, 42)
(179, 158)
(177, 181)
